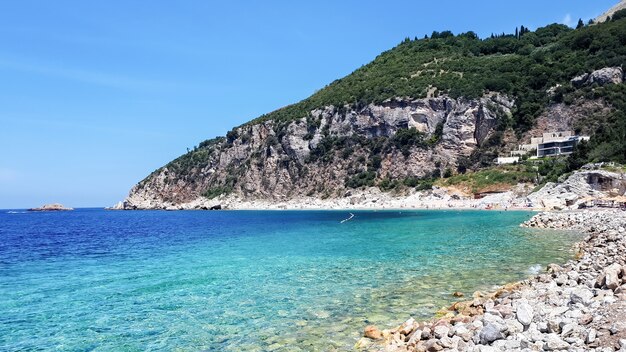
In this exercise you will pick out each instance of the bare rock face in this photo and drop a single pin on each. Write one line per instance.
(579, 187)
(607, 75)
(51, 207)
(580, 81)
(566, 117)
(117, 206)
(316, 154)
(619, 6)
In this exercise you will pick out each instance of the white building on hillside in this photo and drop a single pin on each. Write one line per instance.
(551, 144)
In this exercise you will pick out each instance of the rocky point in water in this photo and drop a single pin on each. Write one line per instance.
(51, 207)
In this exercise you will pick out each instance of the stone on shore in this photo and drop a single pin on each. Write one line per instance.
(441, 331)
(524, 314)
(372, 332)
(555, 343)
(581, 295)
(611, 276)
(489, 334)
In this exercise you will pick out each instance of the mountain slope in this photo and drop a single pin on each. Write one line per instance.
(619, 6)
(424, 109)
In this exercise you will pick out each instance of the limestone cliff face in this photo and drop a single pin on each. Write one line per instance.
(319, 154)
(579, 187)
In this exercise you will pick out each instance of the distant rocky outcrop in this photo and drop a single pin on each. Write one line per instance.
(51, 207)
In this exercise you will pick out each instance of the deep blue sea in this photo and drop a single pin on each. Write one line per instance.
(247, 280)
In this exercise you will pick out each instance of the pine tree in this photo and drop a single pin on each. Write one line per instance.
(580, 24)
(516, 33)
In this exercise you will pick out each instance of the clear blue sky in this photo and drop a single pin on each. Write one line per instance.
(95, 95)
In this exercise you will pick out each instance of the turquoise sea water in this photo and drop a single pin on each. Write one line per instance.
(247, 280)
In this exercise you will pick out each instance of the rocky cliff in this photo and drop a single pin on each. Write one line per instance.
(328, 151)
(580, 187)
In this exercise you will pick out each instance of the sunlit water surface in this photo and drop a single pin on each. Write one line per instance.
(247, 280)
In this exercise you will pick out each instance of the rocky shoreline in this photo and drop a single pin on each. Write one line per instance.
(363, 199)
(573, 192)
(580, 306)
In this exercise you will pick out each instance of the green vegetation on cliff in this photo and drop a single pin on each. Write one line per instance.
(523, 66)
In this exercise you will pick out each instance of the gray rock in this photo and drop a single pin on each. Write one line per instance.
(433, 346)
(554, 342)
(511, 345)
(607, 75)
(567, 329)
(488, 334)
(581, 295)
(591, 336)
(514, 326)
(611, 276)
(614, 329)
(580, 81)
(483, 348)
(524, 314)
(441, 331)
(450, 343)
(464, 333)
(426, 333)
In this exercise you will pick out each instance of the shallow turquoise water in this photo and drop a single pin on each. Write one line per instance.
(245, 281)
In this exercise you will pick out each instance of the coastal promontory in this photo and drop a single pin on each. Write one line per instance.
(446, 113)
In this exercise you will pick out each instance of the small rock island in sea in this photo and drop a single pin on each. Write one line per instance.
(51, 207)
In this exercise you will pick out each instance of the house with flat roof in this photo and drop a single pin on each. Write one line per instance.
(551, 144)
(558, 143)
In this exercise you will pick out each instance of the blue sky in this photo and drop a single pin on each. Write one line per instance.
(95, 95)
